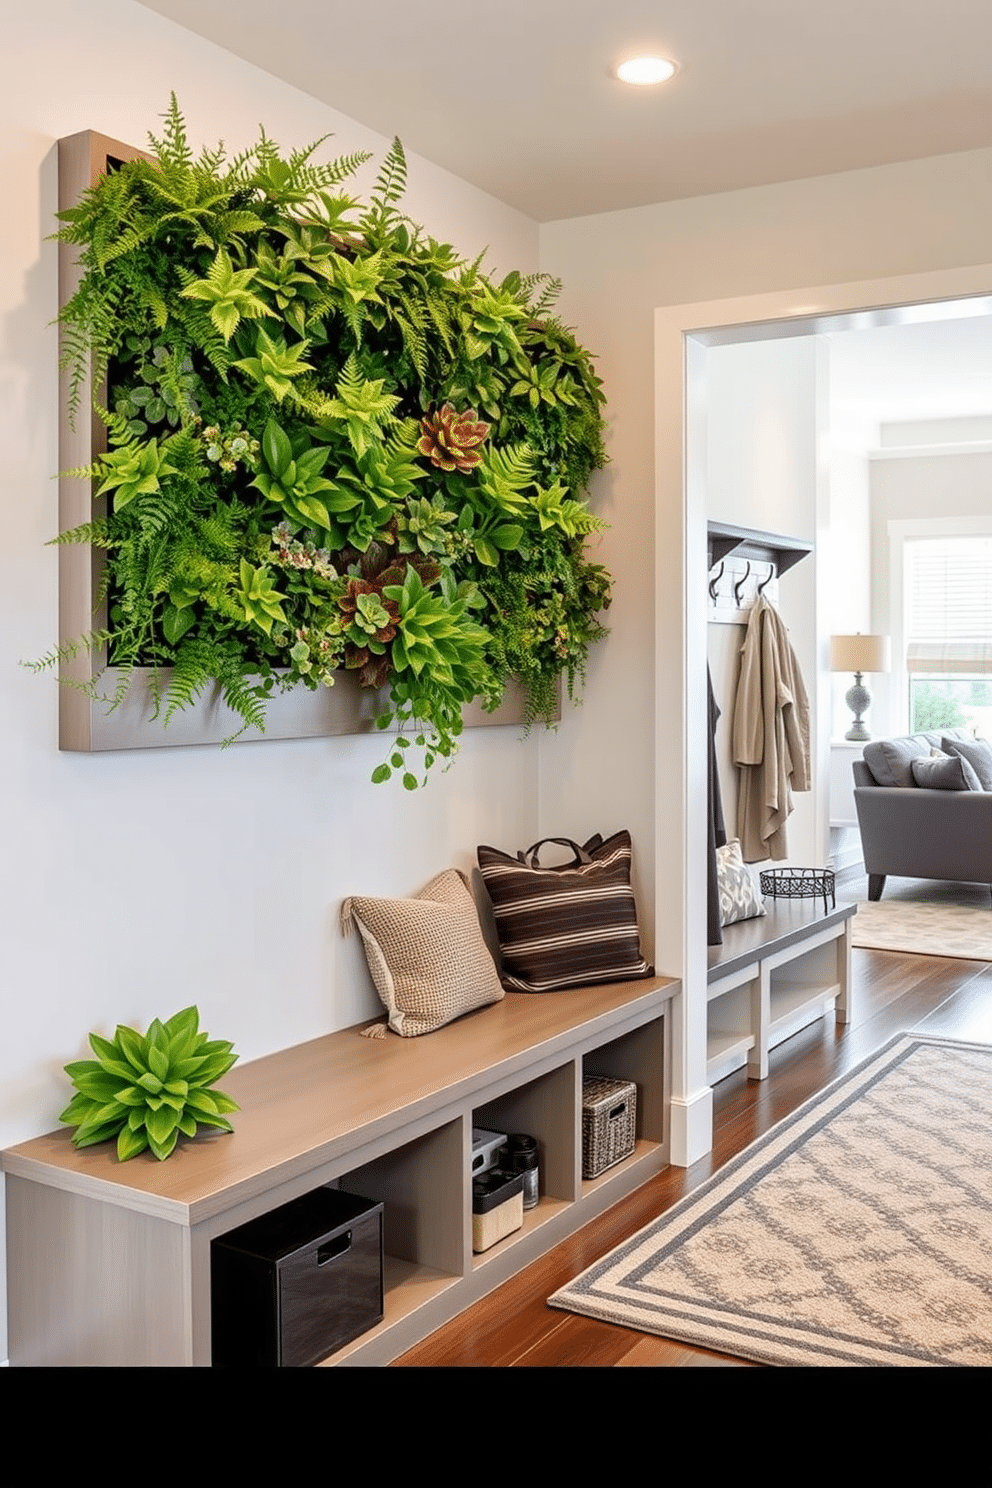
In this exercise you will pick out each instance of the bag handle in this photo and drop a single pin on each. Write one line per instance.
(530, 857)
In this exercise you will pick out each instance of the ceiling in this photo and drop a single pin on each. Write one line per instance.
(939, 369)
(518, 97)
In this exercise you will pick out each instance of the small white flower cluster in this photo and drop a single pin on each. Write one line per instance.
(295, 554)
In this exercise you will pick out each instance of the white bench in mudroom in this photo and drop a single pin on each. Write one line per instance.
(772, 976)
(109, 1263)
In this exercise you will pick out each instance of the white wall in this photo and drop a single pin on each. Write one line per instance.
(761, 468)
(935, 492)
(136, 883)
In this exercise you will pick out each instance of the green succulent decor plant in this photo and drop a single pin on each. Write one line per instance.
(332, 443)
(145, 1091)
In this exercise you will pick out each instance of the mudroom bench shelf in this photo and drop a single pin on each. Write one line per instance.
(109, 1263)
(772, 976)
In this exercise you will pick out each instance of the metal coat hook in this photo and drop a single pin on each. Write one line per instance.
(766, 581)
(738, 587)
(715, 581)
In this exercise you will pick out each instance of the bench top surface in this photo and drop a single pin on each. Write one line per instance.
(308, 1104)
(787, 922)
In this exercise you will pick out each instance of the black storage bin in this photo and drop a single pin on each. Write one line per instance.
(292, 1286)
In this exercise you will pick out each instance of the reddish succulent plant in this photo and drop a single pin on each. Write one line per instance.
(370, 624)
(451, 439)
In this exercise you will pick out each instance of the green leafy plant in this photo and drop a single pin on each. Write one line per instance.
(147, 1090)
(334, 444)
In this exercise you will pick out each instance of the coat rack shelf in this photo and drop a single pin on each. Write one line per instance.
(743, 563)
(760, 547)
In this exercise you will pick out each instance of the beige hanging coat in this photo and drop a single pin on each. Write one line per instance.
(770, 735)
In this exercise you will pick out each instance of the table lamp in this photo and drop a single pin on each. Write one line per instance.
(859, 654)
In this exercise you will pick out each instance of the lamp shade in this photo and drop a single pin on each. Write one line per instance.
(860, 653)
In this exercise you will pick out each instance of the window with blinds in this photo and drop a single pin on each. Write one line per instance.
(948, 630)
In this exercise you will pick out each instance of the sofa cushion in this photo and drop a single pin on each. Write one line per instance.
(891, 760)
(945, 772)
(978, 754)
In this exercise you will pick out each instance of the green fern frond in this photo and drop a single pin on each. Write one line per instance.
(126, 241)
(155, 513)
(244, 699)
(173, 148)
(200, 664)
(321, 177)
(153, 300)
(69, 650)
(96, 533)
(411, 328)
(236, 224)
(512, 466)
(192, 671)
(390, 185)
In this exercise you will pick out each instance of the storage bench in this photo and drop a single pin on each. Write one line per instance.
(109, 1263)
(773, 975)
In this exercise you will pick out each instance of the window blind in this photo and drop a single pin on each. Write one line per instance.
(949, 605)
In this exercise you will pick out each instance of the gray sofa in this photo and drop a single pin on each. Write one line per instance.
(910, 831)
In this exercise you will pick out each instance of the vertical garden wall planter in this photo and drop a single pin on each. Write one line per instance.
(303, 443)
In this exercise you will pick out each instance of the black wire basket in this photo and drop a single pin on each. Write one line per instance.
(800, 883)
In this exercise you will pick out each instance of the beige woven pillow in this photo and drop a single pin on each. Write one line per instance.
(427, 956)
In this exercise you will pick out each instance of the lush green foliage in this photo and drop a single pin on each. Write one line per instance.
(331, 444)
(145, 1091)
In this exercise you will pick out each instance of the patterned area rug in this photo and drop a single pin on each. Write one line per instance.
(857, 1231)
(926, 929)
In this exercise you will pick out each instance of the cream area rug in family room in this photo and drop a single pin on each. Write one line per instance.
(926, 929)
(855, 1232)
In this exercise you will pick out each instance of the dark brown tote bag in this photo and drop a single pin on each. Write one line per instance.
(570, 925)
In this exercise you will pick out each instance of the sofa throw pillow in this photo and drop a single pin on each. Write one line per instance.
(740, 897)
(568, 925)
(945, 772)
(427, 956)
(891, 760)
(978, 753)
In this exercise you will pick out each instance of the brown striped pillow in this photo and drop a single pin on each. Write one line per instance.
(571, 925)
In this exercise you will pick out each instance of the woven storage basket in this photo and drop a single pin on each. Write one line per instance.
(609, 1117)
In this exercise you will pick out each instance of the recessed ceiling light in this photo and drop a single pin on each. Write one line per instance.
(645, 70)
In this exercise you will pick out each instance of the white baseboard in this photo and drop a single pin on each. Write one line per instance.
(692, 1128)
(845, 851)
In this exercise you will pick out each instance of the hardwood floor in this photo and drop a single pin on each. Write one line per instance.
(514, 1326)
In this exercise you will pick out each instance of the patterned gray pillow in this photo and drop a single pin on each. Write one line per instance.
(740, 898)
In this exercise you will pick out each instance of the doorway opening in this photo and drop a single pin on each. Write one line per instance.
(684, 337)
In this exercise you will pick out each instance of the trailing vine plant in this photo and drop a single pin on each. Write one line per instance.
(332, 443)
